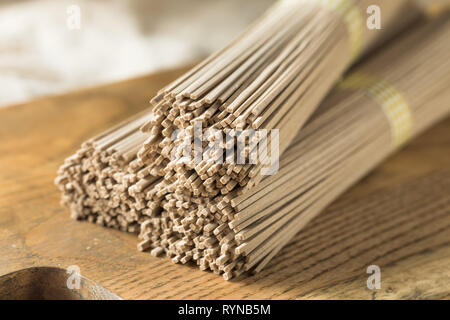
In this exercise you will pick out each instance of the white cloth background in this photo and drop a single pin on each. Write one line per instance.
(117, 39)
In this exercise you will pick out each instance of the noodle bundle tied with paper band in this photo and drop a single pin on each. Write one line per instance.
(272, 77)
(373, 112)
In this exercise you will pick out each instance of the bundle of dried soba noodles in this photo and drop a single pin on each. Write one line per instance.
(394, 96)
(98, 181)
(272, 76)
(105, 182)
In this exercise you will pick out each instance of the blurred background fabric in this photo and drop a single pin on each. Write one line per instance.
(117, 39)
(40, 54)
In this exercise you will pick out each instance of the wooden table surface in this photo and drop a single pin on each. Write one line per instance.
(397, 218)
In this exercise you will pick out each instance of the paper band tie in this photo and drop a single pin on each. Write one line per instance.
(395, 106)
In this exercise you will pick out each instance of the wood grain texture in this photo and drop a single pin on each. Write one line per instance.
(397, 218)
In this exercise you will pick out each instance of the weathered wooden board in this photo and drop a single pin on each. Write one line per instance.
(397, 218)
